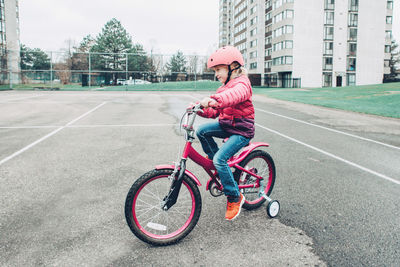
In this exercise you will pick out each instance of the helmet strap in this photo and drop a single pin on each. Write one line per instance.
(230, 72)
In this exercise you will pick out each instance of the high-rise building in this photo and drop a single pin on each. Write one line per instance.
(291, 43)
(9, 40)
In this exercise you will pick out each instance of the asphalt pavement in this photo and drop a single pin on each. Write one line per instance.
(68, 159)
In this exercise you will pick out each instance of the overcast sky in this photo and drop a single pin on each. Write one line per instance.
(162, 25)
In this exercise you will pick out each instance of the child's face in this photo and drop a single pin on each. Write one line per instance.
(221, 72)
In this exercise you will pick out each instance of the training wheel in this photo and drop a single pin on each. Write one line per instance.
(273, 208)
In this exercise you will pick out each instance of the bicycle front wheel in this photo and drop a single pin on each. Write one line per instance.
(261, 163)
(144, 213)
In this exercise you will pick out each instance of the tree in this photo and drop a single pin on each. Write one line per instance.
(113, 42)
(177, 63)
(34, 59)
(394, 58)
(113, 47)
(80, 59)
(137, 59)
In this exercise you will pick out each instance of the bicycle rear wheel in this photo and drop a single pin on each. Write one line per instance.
(144, 213)
(261, 163)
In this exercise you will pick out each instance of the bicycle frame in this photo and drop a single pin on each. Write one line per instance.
(207, 164)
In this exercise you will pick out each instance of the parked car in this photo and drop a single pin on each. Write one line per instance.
(135, 81)
(121, 81)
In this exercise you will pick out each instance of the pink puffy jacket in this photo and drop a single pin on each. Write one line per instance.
(235, 109)
(234, 100)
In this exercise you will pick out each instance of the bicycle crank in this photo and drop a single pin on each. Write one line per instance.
(215, 191)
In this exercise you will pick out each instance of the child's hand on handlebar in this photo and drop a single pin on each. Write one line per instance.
(208, 102)
(191, 105)
(194, 107)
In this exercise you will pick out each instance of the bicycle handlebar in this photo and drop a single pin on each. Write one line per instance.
(191, 113)
(195, 108)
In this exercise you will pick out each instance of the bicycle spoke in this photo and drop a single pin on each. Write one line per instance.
(144, 202)
(137, 217)
(149, 219)
(152, 193)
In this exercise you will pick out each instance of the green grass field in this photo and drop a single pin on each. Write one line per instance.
(380, 99)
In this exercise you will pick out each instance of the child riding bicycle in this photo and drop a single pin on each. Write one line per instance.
(233, 106)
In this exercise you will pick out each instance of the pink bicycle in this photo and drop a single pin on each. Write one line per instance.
(155, 213)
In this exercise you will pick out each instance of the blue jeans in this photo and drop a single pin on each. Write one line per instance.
(206, 134)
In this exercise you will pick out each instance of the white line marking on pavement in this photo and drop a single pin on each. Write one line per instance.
(332, 155)
(93, 126)
(124, 125)
(329, 129)
(48, 135)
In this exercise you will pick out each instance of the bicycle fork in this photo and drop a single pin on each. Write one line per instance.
(170, 199)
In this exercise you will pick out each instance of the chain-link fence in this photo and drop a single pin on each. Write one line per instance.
(55, 70)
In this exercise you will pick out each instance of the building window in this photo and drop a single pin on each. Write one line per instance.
(253, 32)
(352, 49)
(388, 49)
(283, 45)
(353, 5)
(241, 27)
(389, 19)
(329, 17)
(327, 76)
(277, 46)
(353, 19)
(253, 65)
(386, 63)
(289, 13)
(351, 64)
(351, 79)
(328, 48)
(389, 4)
(289, 44)
(278, 17)
(282, 30)
(253, 10)
(328, 33)
(253, 21)
(268, 16)
(389, 34)
(329, 4)
(268, 40)
(240, 37)
(253, 43)
(253, 54)
(352, 34)
(328, 63)
(242, 47)
(268, 64)
(287, 60)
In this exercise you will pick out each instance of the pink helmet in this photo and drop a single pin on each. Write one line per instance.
(225, 56)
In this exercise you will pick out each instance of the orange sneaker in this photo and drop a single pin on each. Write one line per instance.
(233, 208)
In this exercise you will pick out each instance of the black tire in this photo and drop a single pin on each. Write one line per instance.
(273, 208)
(149, 233)
(265, 166)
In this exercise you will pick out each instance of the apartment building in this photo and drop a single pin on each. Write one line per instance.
(293, 43)
(9, 41)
